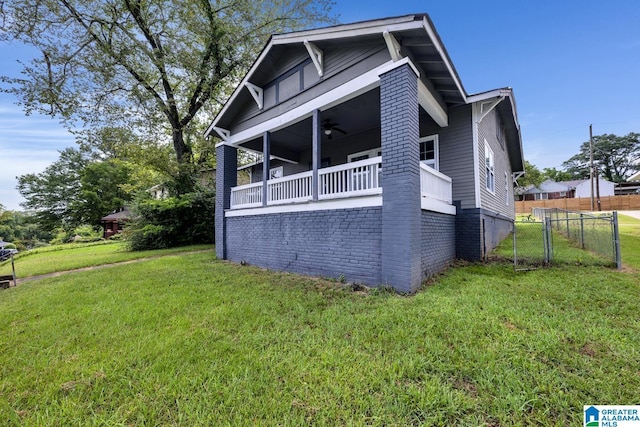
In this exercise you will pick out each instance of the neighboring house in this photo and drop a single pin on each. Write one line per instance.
(114, 223)
(382, 169)
(549, 190)
(631, 186)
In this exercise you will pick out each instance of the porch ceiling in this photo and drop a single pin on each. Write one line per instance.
(354, 116)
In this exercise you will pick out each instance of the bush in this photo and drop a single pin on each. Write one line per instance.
(176, 221)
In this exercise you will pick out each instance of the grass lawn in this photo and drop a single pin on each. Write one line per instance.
(56, 258)
(629, 240)
(189, 340)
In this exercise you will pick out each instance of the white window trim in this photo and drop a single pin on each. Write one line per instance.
(490, 184)
(436, 151)
(506, 187)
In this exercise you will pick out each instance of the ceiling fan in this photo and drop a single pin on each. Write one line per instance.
(328, 126)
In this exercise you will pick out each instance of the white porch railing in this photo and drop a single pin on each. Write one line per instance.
(435, 185)
(247, 196)
(351, 179)
(359, 178)
(289, 189)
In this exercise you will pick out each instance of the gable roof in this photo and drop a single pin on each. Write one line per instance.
(415, 33)
(415, 39)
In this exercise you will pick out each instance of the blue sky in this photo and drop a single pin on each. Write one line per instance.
(570, 63)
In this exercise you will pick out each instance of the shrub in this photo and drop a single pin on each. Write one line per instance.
(175, 221)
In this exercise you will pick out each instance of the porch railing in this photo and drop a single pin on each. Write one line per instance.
(289, 189)
(359, 178)
(435, 185)
(351, 179)
(247, 196)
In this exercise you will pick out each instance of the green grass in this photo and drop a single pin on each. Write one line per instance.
(189, 340)
(56, 258)
(629, 240)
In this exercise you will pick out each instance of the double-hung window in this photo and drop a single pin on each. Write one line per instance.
(489, 167)
(429, 151)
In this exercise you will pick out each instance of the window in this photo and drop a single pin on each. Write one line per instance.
(429, 152)
(563, 194)
(276, 172)
(541, 196)
(506, 188)
(290, 83)
(489, 167)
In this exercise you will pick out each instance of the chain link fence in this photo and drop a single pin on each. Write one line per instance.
(552, 236)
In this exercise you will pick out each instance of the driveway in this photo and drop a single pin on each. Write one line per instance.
(634, 214)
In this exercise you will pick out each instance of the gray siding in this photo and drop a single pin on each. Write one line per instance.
(328, 243)
(500, 202)
(456, 152)
(456, 155)
(341, 66)
(438, 242)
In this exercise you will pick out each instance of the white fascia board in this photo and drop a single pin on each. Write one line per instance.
(436, 43)
(345, 92)
(347, 31)
(433, 205)
(238, 88)
(476, 153)
(307, 206)
(431, 105)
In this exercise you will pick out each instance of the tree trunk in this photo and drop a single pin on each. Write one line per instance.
(183, 151)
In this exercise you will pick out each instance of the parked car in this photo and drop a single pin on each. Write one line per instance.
(6, 253)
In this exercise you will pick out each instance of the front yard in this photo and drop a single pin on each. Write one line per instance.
(189, 340)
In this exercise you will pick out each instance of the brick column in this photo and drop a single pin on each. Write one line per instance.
(226, 177)
(400, 179)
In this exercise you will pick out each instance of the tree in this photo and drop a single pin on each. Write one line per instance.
(77, 190)
(532, 176)
(151, 65)
(51, 193)
(557, 175)
(615, 157)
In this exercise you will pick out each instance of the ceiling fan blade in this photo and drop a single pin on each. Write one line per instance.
(340, 130)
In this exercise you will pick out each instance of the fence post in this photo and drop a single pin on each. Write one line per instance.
(616, 240)
(582, 230)
(566, 216)
(546, 238)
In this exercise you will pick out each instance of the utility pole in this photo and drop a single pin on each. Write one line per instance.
(591, 163)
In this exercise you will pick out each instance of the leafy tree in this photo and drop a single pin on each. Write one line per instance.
(615, 157)
(102, 191)
(77, 190)
(532, 176)
(51, 193)
(175, 221)
(557, 175)
(150, 65)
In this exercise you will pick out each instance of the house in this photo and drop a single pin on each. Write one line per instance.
(549, 190)
(382, 169)
(114, 222)
(631, 186)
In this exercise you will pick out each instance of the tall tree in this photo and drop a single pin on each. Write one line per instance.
(615, 157)
(51, 193)
(149, 64)
(557, 175)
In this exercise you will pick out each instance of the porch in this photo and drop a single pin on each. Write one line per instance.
(349, 180)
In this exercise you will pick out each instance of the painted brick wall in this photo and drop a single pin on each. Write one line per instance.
(226, 177)
(438, 232)
(327, 243)
(479, 231)
(401, 179)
